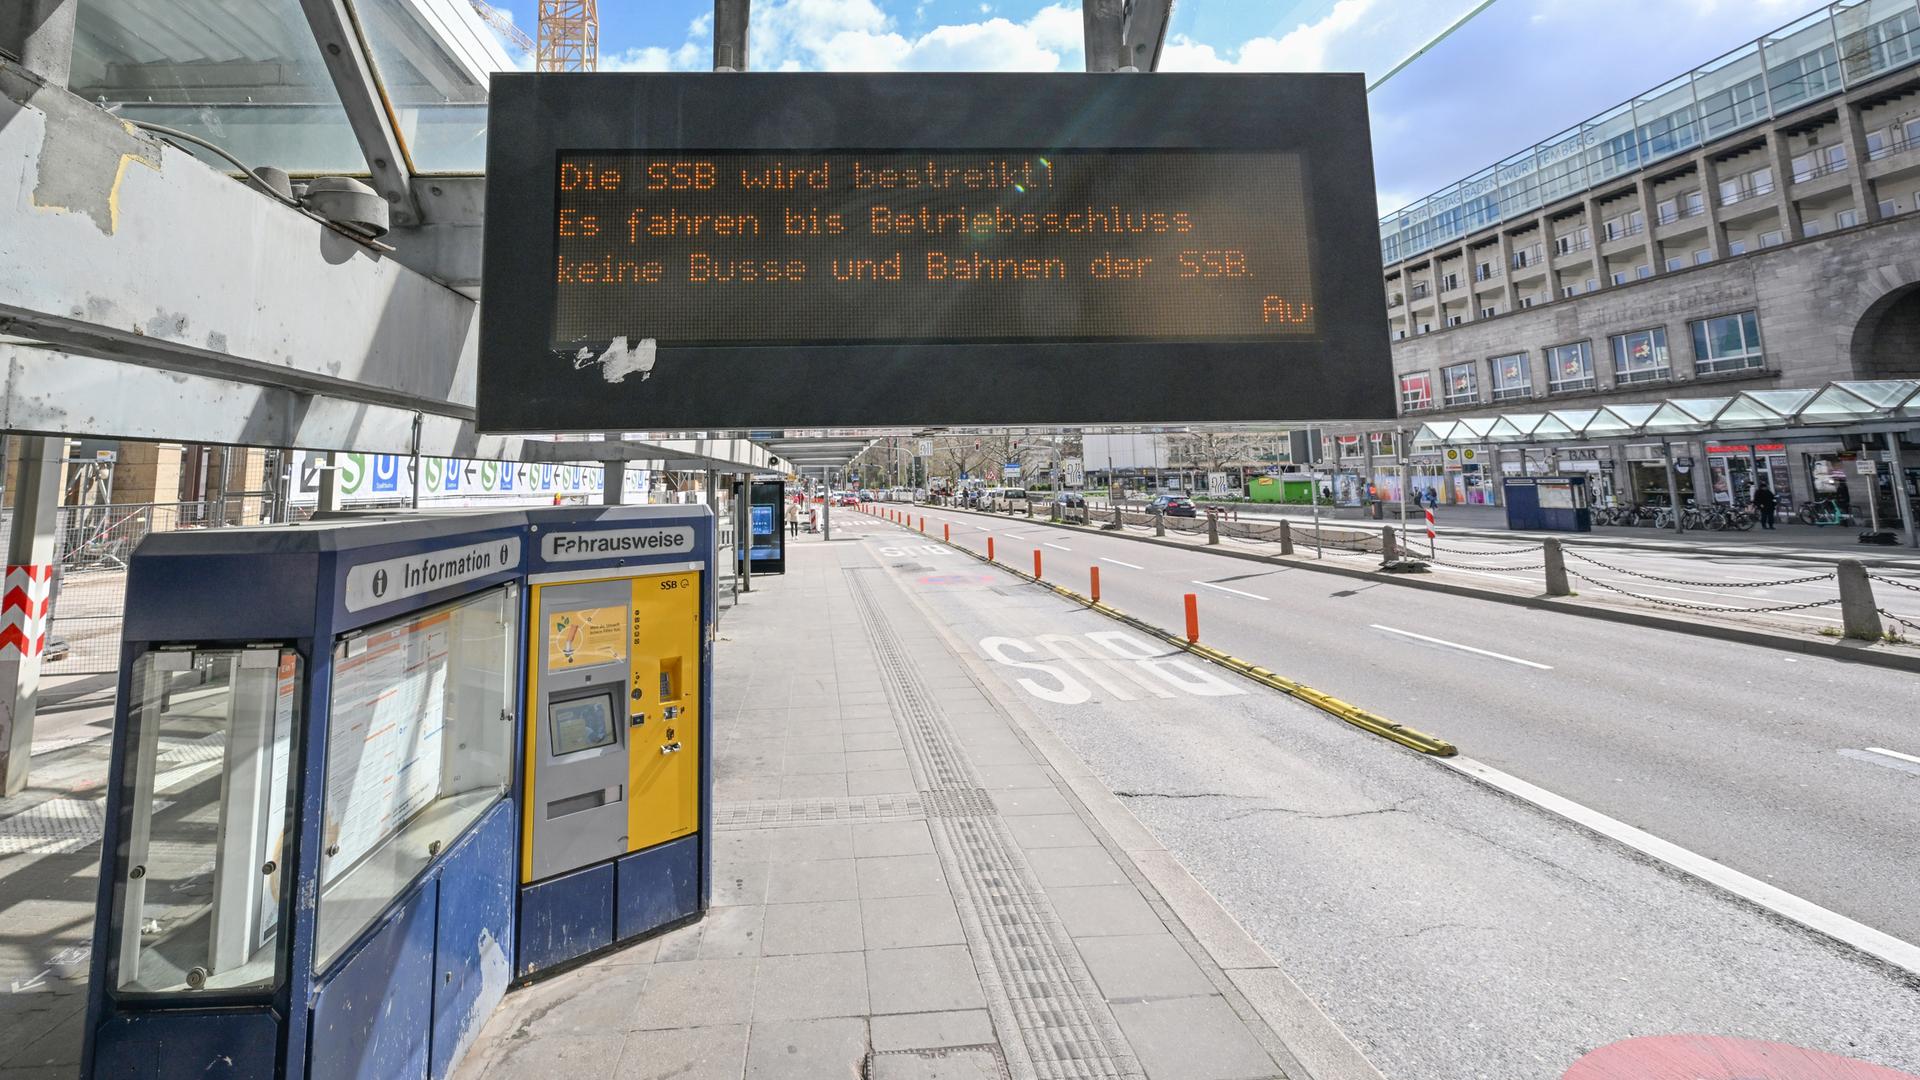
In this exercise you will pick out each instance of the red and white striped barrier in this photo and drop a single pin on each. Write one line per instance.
(1430, 548)
(24, 600)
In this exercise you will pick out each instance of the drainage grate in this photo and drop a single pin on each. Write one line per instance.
(784, 812)
(59, 826)
(1038, 989)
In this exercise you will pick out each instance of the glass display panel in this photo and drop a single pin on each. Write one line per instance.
(208, 790)
(419, 743)
(582, 724)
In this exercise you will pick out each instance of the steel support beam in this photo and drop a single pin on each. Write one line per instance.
(730, 18)
(39, 33)
(344, 51)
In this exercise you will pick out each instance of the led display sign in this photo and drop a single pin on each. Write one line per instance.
(706, 251)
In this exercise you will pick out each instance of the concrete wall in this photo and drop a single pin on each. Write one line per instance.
(1811, 297)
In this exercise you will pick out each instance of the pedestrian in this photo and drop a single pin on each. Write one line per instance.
(1763, 504)
(1432, 500)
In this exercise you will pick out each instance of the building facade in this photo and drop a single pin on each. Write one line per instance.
(1751, 225)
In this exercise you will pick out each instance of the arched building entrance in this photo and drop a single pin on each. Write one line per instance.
(1886, 340)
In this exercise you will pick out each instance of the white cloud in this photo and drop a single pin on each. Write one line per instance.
(690, 56)
(1334, 42)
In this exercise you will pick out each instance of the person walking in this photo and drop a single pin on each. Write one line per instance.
(1763, 504)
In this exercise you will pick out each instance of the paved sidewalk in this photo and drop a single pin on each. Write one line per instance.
(914, 879)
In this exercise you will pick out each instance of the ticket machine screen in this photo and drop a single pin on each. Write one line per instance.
(582, 724)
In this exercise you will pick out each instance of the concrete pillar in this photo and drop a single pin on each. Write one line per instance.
(1900, 488)
(1389, 546)
(328, 500)
(1159, 523)
(1855, 134)
(1466, 278)
(40, 33)
(1213, 527)
(1286, 537)
(613, 483)
(1547, 252)
(1780, 158)
(1496, 473)
(1710, 205)
(24, 616)
(1650, 222)
(1556, 568)
(1509, 295)
(1859, 615)
(1597, 235)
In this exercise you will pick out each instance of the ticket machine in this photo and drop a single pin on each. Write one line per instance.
(614, 837)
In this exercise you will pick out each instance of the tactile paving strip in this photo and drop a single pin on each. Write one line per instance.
(59, 826)
(784, 812)
(1036, 985)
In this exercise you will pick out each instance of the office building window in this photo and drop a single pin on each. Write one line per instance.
(1462, 384)
(1452, 282)
(1812, 227)
(1736, 247)
(1570, 291)
(1888, 208)
(1563, 244)
(1820, 162)
(1772, 238)
(1416, 392)
(1400, 335)
(1454, 320)
(1676, 262)
(1668, 210)
(1526, 301)
(1592, 285)
(1727, 343)
(1489, 312)
(1512, 377)
(1846, 219)
(1640, 356)
(1703, 257)
(1642, 273)
(1619, 277)
(1570, 367)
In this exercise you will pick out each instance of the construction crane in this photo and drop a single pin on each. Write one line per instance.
(495, 18)
(569, 36)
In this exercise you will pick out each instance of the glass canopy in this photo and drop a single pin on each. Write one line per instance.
(1836, 404)
(248, 76)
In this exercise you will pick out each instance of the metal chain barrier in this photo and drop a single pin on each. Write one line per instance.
(1898, 619)
(1540, 567)
(1828, 576)
(1896, 582)
(1495, 551)
(1703, 607)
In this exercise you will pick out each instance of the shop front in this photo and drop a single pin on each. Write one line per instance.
(1647, 474)
(1735, 469)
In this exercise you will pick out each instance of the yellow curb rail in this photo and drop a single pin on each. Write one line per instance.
(1412, 738)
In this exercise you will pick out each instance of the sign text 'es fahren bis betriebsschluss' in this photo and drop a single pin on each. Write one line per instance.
(909, 246)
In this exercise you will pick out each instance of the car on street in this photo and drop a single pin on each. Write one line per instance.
(1173, 506)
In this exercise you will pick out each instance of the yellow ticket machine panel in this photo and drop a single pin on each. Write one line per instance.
(613, 741)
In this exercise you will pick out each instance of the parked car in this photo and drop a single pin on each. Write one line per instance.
(1073, 499)
(1173, 506)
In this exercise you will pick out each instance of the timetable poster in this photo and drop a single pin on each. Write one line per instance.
(384, 741)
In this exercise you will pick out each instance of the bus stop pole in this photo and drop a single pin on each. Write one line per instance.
(1900, 487)
(743, 528)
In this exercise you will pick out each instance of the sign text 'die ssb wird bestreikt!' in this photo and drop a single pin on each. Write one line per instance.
(717, 248)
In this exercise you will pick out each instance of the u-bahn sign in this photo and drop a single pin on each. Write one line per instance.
(784, 250)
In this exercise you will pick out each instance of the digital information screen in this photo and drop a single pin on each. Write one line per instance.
(925, 246)
(581, 724)
(692, 251)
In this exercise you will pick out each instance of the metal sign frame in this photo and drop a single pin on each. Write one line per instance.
(525, 386)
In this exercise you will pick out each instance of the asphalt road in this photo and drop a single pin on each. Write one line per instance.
(1799, 771)
(1452, 931)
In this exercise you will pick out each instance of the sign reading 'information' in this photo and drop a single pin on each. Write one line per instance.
(1035, 245)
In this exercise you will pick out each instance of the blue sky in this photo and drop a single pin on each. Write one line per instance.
(1521, 71)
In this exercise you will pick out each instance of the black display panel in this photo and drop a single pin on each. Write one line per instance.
(698, 251)
(725, 248)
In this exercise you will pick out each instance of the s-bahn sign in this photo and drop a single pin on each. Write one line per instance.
(694, 251)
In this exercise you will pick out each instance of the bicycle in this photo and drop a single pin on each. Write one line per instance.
(1823, 512)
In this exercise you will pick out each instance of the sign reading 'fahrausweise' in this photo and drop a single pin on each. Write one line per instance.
(702, 251)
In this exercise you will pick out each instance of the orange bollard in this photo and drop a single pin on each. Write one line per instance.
(1193, 618)
(1094, 571)
(1036, 564)
(946, 533)
(989, 549)
(923, 524)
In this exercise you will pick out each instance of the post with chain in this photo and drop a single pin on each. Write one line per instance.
(1213, 527)
(1286, 537)
(1389, 546)
(1557, 584)
(1159, 523)
(1859, 617)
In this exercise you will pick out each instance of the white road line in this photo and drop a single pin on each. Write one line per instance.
(1056, 547)
(1117, 562)
(1900, 954)
(1463, 648)
(1236, 592)
(1893, 754)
